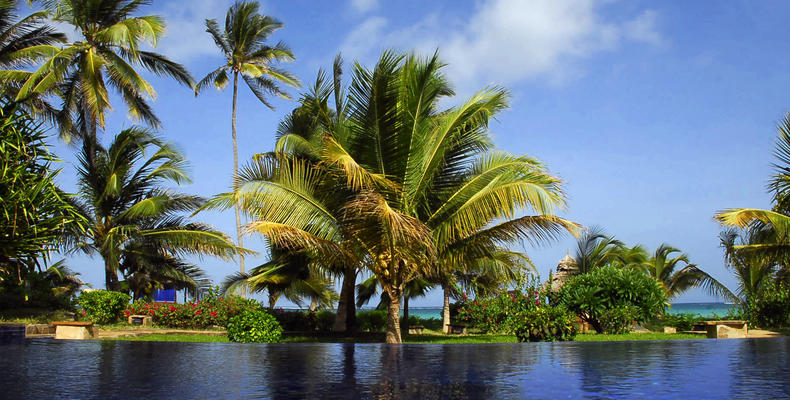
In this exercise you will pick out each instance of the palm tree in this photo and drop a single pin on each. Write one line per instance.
(751, 270)
(423, 186)
(106, 55)
(773, 241)
(663, 267)
(134, 224)
(22, 43)
(594, 249)
(292, 276)
(243, 44)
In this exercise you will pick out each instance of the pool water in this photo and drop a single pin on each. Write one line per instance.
(735, 368)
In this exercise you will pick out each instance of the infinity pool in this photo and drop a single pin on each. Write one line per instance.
(737, 369)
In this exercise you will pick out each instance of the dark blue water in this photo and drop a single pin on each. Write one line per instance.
(742, 369)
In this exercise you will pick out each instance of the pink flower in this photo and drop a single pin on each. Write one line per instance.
(214, 314)
(83, 313)
(197, 312)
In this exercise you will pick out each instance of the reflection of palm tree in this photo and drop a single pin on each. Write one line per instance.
(242, 43)
(135, 225)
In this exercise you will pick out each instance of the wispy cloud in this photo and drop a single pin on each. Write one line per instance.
(505, 41)
(363, 6)
(186, 38)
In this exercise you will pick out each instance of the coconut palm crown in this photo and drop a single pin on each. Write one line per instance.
(135, 225)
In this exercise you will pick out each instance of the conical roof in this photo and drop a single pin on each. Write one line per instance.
(566, 269)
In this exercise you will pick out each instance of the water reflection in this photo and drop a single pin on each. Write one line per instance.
(677, 369)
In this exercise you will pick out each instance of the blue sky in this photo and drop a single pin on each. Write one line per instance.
(656, 114)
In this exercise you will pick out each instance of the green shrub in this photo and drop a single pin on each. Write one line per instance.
(324, 321)
(102, 306)
(544, 324)
(681, 321)
(770, 308)
(254, 326)
(601, 296)
(372, 320)
(618, 320)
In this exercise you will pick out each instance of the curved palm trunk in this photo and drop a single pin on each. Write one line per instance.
(393, 318)
(273, 297)
(236, 173)
(346, 318)
(446, 310)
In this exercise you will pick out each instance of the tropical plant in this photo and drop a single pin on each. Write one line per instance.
(29, 286)
(289, 275)
(24, 42)
(34, 213)
(545, 324)
(135, 225)
(243, 44)
(663, 267)
(254, 326)
(106, 54)
(770, 229)
(421, 187)
(594, 249)
(751, 271)
(604, 295)
(102, 306)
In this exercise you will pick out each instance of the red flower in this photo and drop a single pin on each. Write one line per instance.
(83, 313)
(214, 314)
(197, 312)
(172, 308)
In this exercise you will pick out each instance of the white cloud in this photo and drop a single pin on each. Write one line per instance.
(643, 28)
(505, 41)
(186, 37)
(363, 6)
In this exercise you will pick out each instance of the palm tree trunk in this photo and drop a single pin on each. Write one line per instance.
(272, 299)
(404, 325)
(236, 174)
(111, 278)
(446, 310)
(346, 318)
(393, 317)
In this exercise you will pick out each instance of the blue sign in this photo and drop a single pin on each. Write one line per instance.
(165, 295)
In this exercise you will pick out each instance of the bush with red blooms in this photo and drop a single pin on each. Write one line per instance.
(195, 315)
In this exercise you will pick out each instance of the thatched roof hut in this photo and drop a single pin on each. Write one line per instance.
(566, 269)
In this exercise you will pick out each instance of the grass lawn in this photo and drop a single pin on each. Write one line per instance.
(173, 338)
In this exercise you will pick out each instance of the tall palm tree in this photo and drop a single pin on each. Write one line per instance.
(107, 54)
(423, 186)
(135, 225)
(243, 44)
(24, 42)
(663, 266)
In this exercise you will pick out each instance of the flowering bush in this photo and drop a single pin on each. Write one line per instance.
(196, 315)
(495, 314)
